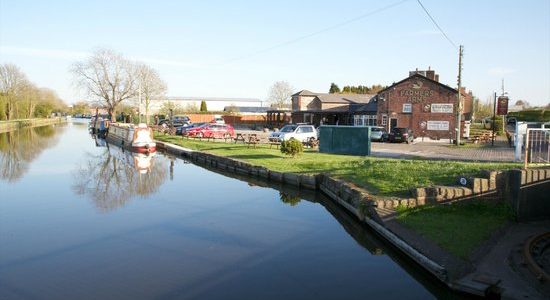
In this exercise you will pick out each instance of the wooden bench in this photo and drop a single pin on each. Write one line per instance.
(253, 140)
(271, 144)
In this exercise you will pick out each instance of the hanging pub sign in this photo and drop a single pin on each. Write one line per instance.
(502, 106)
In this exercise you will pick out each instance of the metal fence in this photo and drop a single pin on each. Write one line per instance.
(537, 146)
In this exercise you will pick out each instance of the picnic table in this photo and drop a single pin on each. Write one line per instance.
(253, 140)
(240, 137)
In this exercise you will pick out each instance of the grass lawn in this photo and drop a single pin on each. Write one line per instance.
(457, 228)
(380, 176)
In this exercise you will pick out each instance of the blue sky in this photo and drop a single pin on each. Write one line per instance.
(216, 48)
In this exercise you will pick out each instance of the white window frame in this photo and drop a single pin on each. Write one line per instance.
(407, 108)
(384, 120)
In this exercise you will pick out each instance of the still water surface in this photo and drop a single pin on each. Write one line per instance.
(79, 220)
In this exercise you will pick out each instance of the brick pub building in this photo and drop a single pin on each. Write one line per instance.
(422, 103)
(419, 102)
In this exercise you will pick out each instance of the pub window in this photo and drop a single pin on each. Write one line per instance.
(407, 107)
(359, 120)
(384, 120)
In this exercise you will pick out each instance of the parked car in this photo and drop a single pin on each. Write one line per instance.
(212, 130)
(218, 120)
(176, 121)
(181, 130)
(378, 134)
(401, 134)
(302, 133)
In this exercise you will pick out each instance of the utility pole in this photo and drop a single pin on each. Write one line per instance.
(459, 103)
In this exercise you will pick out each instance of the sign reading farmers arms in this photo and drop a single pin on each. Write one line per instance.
(415, 94)
(502, 105)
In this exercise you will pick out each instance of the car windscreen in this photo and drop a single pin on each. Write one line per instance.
(288, 128)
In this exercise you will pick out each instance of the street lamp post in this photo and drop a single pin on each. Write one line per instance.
(494, 122)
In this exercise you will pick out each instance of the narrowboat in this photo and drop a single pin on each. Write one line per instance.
(137, 138)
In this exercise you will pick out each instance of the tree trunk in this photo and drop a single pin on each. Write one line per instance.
(112, 114)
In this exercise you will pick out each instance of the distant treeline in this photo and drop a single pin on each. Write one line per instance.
(360, 89)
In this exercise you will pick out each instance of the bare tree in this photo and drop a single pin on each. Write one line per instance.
(150, 85)
(279, 94)
(108, 77)
(13, 84)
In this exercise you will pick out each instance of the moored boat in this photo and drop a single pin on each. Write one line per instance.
(137, 138)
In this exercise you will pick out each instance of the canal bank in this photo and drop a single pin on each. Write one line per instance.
(446, 268)
(6, 126)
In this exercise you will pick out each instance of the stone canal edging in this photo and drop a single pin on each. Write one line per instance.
(366, 207)
(6, 126)
(353, 199)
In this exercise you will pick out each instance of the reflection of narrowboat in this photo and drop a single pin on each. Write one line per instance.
(137, 138)
(141, 162)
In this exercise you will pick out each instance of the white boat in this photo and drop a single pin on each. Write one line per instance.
(138, 138)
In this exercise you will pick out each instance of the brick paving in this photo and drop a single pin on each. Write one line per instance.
(501, 152)
(443, 150)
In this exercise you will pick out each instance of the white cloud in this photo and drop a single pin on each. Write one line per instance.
(43, 53)
(500, 71)
(78, 55)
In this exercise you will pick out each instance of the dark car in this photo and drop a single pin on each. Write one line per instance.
(181, 130)
(400, 135)
(176, 121)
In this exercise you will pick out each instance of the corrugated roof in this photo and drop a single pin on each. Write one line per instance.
(247, 109)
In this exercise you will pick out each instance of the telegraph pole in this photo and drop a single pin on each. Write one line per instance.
(459, 103)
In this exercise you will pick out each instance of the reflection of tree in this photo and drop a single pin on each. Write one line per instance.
(20, 147)
(289, 198)
(112, 178)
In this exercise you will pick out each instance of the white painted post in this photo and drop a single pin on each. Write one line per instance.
(521, 129)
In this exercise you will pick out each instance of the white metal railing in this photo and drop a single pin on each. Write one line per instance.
(537, 146)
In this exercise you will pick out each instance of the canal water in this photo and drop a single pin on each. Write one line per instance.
(80, 220)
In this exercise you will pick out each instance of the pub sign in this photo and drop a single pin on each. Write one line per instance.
(502, 105)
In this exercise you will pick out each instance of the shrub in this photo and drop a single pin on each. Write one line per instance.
(292, 147)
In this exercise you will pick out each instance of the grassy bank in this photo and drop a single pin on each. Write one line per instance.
(381, 176)
(457, 228)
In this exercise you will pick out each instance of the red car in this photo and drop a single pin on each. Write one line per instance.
(212, 130)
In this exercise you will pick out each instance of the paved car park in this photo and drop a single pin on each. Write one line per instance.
(500, 152)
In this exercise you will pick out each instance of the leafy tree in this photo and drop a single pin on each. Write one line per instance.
(191, 108)
(81, 107)
(167, 105)
(203, 106)
(292, 147)
(334, 89)
(360, 89)
(13, 83)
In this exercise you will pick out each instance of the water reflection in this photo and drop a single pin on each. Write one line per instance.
(359, 231)
(289, 198)
(20, 147)
(114, 176)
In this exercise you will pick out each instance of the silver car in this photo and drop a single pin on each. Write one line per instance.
(303, 133)
(378, 134)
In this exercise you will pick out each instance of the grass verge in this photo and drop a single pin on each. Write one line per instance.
(380, 176)
(457, 228)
